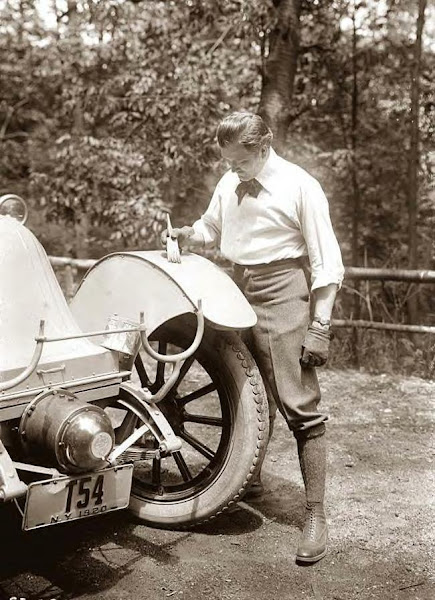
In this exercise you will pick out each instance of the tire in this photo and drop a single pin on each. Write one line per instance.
(222, 445)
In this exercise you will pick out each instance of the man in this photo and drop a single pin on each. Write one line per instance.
(271, 219)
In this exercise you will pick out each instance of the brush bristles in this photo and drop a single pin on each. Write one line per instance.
(173, 250)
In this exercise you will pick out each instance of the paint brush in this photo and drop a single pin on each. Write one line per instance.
(172, 248)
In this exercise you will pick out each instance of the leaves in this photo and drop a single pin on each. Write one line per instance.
(112, 114)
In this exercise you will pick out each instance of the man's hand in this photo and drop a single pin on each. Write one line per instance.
(181, 234)
(315, 346)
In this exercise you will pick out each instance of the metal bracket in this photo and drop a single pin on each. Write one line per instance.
(7, 385)
(41, 339)
(20, 466)
(175, 358)
(137, 401)
(11, 485)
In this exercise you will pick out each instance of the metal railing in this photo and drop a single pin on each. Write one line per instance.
(69, 265)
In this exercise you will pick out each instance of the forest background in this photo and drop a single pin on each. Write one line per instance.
(108, 112)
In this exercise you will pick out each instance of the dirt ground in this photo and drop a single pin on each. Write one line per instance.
(381, 511)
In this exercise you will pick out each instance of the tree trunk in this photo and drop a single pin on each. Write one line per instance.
(56, 12)
(72, 15)
(81, 219)
(279, 69)
(356, 202)
(356, 199)
(414, 157)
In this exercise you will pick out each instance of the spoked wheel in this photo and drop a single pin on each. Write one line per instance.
(218, 408)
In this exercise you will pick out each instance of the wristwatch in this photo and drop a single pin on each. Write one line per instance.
(323, 322)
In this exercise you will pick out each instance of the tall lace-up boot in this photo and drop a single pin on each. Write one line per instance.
(312, 458)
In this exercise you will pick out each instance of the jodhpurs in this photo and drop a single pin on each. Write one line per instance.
(279, 295)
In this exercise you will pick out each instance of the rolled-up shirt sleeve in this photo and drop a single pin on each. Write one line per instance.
(322, 245)
(210, 223)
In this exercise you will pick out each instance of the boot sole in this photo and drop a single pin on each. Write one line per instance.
(254, 493)
(253, 496)
(311, 559)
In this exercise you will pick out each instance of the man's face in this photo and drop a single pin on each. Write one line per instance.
(247, 164)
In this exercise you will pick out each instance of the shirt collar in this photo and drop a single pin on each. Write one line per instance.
(267, 173)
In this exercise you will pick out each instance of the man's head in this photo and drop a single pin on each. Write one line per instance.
(244, 140)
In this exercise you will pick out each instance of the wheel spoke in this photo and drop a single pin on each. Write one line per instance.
(160, 371)
(182, 466)
(127, 426)
(141, 371)
(199, 409)
(157, 472)
(183, 371)
(203, 420)
(211, 387)
(199, 446)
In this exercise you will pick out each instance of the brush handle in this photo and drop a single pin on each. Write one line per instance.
(169, 225)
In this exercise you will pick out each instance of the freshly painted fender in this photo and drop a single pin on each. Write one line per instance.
(128, 283)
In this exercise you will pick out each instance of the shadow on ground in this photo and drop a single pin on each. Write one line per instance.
(379, 502)
(65, 556)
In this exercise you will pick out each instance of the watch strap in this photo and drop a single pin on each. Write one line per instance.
(323, 322)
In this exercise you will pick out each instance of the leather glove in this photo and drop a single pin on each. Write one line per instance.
(181, 234)
(315, 347)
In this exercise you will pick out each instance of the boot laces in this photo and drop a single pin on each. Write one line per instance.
(314, 518)
(312, 524)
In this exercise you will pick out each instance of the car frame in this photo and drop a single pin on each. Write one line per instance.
(85, 428)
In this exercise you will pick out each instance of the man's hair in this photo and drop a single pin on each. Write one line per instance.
(244, 128)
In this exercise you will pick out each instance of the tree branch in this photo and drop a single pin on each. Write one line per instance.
(220, 39)
(9, 113)
(318, 47)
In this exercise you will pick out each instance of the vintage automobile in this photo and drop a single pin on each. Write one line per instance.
(139, 393)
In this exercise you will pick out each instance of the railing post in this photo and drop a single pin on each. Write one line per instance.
(69, 282)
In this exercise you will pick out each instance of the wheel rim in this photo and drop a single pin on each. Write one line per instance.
(201, 413)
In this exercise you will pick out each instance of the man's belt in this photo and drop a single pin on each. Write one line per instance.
(291, 263)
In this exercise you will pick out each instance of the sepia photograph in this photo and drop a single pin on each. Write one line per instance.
(217, 300)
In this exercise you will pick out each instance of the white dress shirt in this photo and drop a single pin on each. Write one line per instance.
(289, 219)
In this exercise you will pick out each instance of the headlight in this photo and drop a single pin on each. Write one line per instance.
(67, 432)
(13, 206)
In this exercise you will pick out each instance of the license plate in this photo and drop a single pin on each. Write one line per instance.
(65, 499)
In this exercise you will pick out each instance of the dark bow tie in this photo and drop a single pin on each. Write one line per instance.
(251, 187)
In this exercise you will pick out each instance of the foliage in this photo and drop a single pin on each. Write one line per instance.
(108, 116)
(383, 79)
(109, 138)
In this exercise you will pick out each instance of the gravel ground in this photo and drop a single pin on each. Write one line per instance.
(380, 505)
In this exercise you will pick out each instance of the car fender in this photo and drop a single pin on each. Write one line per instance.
(128, 283)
